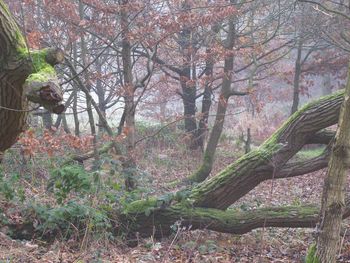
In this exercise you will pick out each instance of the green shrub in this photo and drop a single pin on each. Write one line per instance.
(67, 179)
(10, 187)
(69, 218)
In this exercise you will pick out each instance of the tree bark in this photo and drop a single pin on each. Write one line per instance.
(90, 113)
(146, 218)
(24, 76)
(207, 164)
(129, 92)
(203, 122)
(333, 199)
(247, 172)
(75, 95)
(160, 220)
(187, 80)
(297, 75)
(202, 207)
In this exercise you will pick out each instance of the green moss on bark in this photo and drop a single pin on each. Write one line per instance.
(21, 43)
(149, 219)
(140, 206)
(246, 165)
(41, 70)
(202, 173)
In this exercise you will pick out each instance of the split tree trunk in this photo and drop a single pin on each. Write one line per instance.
(257, 166)
(202, 207)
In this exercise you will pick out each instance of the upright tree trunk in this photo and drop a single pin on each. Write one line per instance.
(207, 95)
(207, 164)
(75, 96)
(187, 81)
(297, 75)
(129, 93)
(203, 122)
(327, 84)
(88, 98)
(47, 120)
(247, 142)
(101, 93)
(63, 118)
(333, 199)
(75, 111)
(65, 123)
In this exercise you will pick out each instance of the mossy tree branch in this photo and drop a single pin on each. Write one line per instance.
(259, 165)
(202, 207)
(145, 218)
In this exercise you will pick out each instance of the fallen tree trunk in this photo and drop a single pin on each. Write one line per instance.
(203, 206)
(159, 222)
(229, 221)
(80, 158)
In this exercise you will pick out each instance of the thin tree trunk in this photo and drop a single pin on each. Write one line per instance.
(65, 123)
(206, 102)
(297, 75)
(75, 98)
(62, 118)
(207, 164)
(129, 93)
(327, 85)
(100, 91)
(47, 120)
(187, 81)
(88, 98)
(247, 142)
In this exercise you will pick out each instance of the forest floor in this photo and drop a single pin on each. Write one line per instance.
(261, 245)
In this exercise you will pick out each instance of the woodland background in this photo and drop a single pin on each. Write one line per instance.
(161, 95)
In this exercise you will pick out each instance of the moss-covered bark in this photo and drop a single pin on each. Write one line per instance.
(247, 172)
(145, 218)
(304, 127)
(24, 76)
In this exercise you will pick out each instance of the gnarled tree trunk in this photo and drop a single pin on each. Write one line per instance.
(24, 76)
